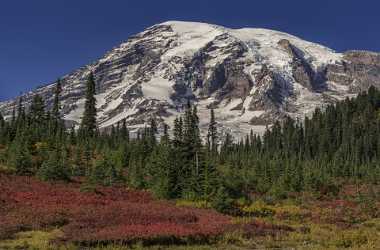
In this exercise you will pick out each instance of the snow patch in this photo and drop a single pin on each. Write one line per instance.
(191, 37)
(119, 117)
(158, 89)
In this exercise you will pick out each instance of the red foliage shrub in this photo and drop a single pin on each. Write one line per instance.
(110, 214)
(342, 213)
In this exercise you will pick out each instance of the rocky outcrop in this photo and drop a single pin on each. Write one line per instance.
(302, 71)
(269, 91)
(358, 71)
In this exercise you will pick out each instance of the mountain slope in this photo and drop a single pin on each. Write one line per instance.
(250, 76)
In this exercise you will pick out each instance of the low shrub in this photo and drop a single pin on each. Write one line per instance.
(223, 202)
(256, 228)
(351, 239)
(258, 209)
(196, 204)
(111, 214)
(291, 212)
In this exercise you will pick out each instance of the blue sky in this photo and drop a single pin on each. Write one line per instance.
(41, 40)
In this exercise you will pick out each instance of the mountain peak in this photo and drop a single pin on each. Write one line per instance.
(250, 76)
(186, 25)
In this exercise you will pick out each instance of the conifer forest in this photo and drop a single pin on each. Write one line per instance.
(112, 189)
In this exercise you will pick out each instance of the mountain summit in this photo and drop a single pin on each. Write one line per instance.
(250, 76)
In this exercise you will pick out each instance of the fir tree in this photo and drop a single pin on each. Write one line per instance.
(2, 127)
(37, 110)
(20, 119)
(178, 132)
(165, 137)
(56, 111)
(338, 142)
(55, 168)
(88, 125)
(72, 136)
(13, 119)
(20, 157)
(56, 105)
(160, 165)
(124, 133)
(222, 200)
(104, 172)
(212, 133)
(153, 131)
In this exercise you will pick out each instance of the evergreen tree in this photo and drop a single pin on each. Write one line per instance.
(56, 105)
(209, 177)
(56, 111)
(124, 133)
(212, 133)
(55, 168)
(37, 110)
(88, 125)
(2, 128)
(153, 131)
(20, 157)
(165, 137)
(178, 131)
(105, 172)
(72, 136)
(160, 164)
(20, 119)
(222, 201)
(13, 119)
(337, 143)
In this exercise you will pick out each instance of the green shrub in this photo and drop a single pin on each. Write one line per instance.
(222, 201)
(54, 169)
(105, 173)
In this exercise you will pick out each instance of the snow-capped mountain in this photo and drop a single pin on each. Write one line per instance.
(249, 76)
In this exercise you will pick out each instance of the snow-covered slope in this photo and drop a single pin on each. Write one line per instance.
(250, 76)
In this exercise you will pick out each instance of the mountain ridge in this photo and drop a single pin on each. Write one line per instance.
(251, 76)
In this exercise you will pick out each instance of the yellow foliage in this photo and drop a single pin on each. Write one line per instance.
(291, 212)
(259, 209)
(40, 145)
(352, 239)
(196, 204)
(31, 240)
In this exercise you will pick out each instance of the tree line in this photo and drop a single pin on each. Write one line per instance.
(339, 143)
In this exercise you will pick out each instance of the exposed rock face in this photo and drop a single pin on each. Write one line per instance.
(250, 76)
(358, 70)
(301, 69)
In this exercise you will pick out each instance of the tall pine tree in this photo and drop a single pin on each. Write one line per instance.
(88, 125)
(56, 105)
(212, 135)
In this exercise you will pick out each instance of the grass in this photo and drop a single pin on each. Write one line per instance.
(31, 240)
(40, 240)
(310, 235)
(318, 237)
(329, 237)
